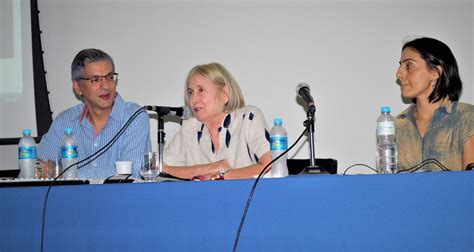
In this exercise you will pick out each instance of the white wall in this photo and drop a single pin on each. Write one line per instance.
(348, 51)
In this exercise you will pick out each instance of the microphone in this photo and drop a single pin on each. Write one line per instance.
(182, 112)
(302, 89)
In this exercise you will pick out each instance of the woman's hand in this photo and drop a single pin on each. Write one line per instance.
(214, 171)
(218, 176)
(198, 171)
(219, 166)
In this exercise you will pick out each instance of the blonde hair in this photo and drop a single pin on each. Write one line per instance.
(220, 77)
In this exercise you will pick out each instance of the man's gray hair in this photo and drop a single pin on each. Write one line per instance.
(85, 57)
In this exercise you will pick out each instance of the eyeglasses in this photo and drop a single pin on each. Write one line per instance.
(94, 80)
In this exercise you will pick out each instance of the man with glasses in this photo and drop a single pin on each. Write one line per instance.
(98, 119)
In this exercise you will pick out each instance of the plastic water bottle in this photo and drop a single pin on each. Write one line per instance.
(69, 154)
(278, 144)
(27, 155)
(387, 154)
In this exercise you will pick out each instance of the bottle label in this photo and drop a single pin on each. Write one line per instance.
(27, 152)
(385, 128)
(69, 151)
(278, 143)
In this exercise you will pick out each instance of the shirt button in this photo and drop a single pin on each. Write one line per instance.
(95, 145)
(94, 164)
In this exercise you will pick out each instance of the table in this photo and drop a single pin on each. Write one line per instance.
(397, 212)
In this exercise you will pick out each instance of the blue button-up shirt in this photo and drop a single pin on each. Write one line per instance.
(130, 146)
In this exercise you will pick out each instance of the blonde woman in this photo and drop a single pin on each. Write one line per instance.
(224, 136)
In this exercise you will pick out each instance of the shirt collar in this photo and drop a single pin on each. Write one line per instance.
(118, 108)
(228, 118)
(446, 106)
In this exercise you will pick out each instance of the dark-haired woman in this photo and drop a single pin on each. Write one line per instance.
(436, 126)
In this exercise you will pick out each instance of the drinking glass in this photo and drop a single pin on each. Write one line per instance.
(150, 167)
(40, 169)
(55, 168)
(46, 169)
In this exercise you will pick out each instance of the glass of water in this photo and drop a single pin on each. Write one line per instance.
(55, 169)
(48, 169)
(150, 167)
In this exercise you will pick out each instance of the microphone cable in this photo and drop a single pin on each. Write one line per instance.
(119, 180)
(242, 220)
(354, 165)
(425, 162)
(411, 169)
(469, 166)
(91, 158)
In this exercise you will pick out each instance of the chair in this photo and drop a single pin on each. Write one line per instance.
(324, 165)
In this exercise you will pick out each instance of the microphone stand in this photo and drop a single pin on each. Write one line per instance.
(161, 141)
(309, 123)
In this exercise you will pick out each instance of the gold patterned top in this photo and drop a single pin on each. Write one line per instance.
(451, 126)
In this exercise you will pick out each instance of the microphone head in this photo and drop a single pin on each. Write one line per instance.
(150, 107)
(186, 113)
(300, 86)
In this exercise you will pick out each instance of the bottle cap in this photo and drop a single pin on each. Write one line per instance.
(26, 132)
(277, 121)
(68, 131)
(385, 109)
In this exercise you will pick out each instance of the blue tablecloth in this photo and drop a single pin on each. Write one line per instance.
(408, 212)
